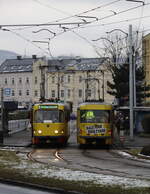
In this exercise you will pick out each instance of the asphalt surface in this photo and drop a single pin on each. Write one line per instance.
(20, 139)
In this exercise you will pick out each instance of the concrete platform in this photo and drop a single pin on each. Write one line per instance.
(19, 139)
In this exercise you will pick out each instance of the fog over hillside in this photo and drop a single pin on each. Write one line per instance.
(4, 54)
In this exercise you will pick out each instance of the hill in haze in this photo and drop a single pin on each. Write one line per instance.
(4, 54)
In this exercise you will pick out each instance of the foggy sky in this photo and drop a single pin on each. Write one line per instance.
(43, 11)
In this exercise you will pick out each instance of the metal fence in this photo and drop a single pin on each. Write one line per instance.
(15, 126)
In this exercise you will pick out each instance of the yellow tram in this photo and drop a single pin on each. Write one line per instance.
(49, 123)
(95, 123)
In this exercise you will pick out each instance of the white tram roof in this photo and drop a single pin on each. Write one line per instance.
(50, 103)
(94, 103)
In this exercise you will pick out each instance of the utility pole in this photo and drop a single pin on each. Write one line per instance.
(2, 117)
(58, 82)
(131, 81)
(65, 87)
(87, 86)
(58, 87)
(42, 84)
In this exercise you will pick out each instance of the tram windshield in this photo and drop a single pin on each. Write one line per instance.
(94, 116)
(49, 116)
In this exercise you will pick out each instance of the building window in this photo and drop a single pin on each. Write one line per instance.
(27, 92)
(53, 79)
(89, 93)
(6, 81)
(62, 93)
(13, 93)
(68, 78)
(69, 93)
(62, 79)
(35, 93)
(35, 81)
(80, 93)
(20, 80)
(13, 81)
(20, 93)
(27, 80)
(80, 78)
(53, 93)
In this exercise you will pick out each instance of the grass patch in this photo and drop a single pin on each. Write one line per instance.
(146, 135)
(15, 168)
(134, 151)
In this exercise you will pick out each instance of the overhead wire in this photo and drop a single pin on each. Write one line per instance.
(71, 16)
(64, 19)
(22, 37)
(87, 11)
(111, 23)
(99, 19)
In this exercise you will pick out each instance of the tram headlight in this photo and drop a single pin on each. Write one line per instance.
(56, 131)
(39, 131)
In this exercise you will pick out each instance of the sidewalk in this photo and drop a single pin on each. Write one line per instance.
(137, 141)
(19, 139)
(126, 142)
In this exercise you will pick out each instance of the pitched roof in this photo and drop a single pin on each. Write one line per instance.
(79, 64)
(17, 65)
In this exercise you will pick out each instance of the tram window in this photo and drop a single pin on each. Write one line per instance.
(94, 116)
(54, 117)
(61, 116)
(51, 116)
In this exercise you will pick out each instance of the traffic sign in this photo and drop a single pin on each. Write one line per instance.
(7, 91)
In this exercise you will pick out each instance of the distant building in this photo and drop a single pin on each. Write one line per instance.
(16, 77)
(75, 80)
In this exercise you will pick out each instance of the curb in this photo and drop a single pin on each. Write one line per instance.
(37, 187)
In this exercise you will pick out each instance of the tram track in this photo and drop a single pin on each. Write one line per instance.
(94, 161)
(55, 154)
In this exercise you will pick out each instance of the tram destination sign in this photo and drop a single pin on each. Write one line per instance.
(48, 106)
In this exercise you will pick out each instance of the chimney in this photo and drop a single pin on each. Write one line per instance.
(33, 56)
(19, 57)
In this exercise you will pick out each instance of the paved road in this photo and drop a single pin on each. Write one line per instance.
(9, 189)
(98, 160)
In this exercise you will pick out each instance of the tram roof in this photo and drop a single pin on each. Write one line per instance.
(94, 103)
(101, 103)
(50, 103)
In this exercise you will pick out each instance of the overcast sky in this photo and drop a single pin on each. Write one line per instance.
(111, 14)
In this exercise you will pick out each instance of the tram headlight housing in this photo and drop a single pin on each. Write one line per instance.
(56, 131)
(39, 131)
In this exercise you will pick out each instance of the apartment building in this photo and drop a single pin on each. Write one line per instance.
(16, 79)
(77, 80)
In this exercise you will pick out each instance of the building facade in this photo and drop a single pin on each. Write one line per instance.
(74, 80)
(77, 80)
(16, 79)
